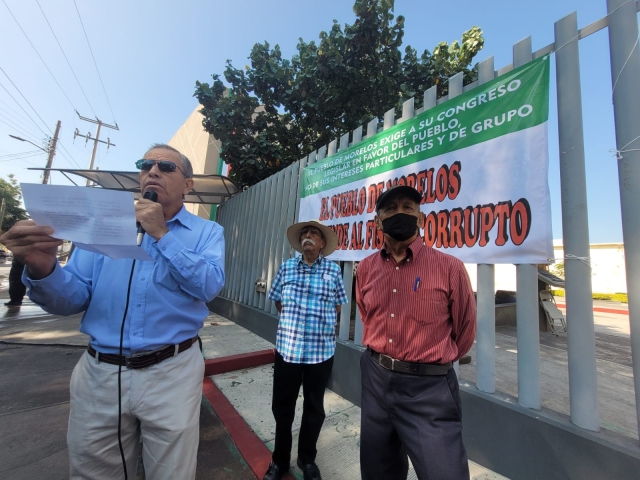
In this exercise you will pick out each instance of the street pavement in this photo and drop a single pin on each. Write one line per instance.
(38, 352)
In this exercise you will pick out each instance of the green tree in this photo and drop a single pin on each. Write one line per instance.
(558, 270)
(279, 110)
(12, 196)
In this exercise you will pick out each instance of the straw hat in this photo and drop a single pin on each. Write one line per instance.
(330, 238)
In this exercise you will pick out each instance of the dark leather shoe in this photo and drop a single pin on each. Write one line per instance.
(465, 360)
(13, 304)
(310, 470)
(274, 472)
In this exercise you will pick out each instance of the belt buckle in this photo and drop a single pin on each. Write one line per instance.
(386, 362)
(127, 362)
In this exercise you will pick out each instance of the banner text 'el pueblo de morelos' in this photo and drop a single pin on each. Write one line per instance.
(480, 162)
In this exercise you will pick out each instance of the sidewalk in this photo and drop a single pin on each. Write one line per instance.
(249, 392)
(37, 355)
(38, 352)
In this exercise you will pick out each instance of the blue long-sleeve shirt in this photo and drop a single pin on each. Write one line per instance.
(168, 297)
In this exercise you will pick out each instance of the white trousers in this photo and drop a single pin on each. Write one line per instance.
(160, 403)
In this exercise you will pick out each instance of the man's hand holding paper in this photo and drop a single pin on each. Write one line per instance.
(98, 220)
(34, 246)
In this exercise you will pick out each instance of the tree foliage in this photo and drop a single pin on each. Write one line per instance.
(278, 110)
(558, 270)
(10, 192)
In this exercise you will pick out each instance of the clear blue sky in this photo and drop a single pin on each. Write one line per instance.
(151, 52)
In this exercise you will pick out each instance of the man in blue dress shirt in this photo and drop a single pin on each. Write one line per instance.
(165, 304)
(308, 292)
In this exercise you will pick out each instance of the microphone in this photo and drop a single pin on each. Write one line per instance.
(149, 195)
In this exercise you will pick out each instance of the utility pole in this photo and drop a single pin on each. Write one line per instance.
(2, 208)
(52, 152)
(95, 140)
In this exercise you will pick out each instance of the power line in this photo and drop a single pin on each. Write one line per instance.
(65, 57)
(14, 126)
(20, 115)
(12, 159)
(70, 158)
(39, 56)
(21, 164)
(95, 63)
(30, 152)
(10, 115)
(18, 103)
(25, 99)
(19, 124)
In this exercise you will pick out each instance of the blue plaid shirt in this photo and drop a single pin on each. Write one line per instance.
(309, 296)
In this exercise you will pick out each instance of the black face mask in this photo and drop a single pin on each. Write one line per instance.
(401, 226)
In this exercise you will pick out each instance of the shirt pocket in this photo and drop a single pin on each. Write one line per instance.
(293, 291)
(429, 307)
(325, 290)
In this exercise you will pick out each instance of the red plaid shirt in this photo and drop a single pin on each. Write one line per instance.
(420, 309)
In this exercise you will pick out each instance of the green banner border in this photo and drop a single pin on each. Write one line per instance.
(351, 164)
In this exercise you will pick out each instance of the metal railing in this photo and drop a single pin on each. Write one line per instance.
(256, 220)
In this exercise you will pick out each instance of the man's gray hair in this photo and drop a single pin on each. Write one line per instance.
(188, 169)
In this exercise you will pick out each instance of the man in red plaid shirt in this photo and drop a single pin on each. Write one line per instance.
(419, 316)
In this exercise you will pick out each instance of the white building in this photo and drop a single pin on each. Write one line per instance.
(607, 268)
(201, 148)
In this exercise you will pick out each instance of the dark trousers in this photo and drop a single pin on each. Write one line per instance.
(16, 287)
(287, 378)
(410, 415)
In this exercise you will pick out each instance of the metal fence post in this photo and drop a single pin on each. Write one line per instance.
(486, 300)
(527, 303)
(625, 72)
(455, 89)
(372, 128)
(347, 275)
(581, 346)
(345, 313)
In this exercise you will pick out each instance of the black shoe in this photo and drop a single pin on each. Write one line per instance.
(465, 360)
(13, 304)
(274, 472)
(310, 470)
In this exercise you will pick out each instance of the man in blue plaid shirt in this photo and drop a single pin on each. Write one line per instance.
(308, 292)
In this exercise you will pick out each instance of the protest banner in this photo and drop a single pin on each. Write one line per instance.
(480, 162)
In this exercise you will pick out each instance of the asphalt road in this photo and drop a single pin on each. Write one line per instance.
(38, 352)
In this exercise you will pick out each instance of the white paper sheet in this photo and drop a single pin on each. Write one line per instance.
(117, 251)
(97, 220)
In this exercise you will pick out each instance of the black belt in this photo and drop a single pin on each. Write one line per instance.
(411, 368)
(143, 360)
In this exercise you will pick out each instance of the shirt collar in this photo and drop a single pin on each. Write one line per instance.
(318, 260)
(413, 249)
(184, 218)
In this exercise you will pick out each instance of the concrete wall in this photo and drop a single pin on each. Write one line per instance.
(608, 274)
(607, 261)
(505, 276)
(202, 149)
(499, 434)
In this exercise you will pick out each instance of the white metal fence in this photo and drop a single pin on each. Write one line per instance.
(256, 220)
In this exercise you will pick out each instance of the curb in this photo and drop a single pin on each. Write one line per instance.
(619, 311)
(216, 366)
(252, 449)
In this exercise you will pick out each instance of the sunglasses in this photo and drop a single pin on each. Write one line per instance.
(164, 166)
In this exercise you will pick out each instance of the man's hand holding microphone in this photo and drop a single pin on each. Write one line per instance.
(150, 217)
